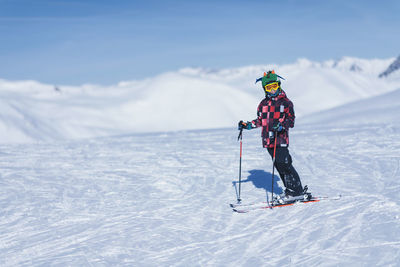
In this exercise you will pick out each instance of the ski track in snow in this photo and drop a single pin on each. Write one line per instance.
(163, 199)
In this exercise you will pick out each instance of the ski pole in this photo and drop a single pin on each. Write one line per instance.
(240, 163)
(273, 168)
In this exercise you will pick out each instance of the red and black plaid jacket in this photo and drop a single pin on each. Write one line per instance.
(271, 111)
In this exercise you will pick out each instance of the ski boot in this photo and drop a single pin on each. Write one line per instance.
(289, 197)
(307, 195)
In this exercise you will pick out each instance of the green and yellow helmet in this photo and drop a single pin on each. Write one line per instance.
(270, 81)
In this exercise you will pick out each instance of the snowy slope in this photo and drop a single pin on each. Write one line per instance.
(382, 109)
(162, 199)
(31, 111)
(182, 100)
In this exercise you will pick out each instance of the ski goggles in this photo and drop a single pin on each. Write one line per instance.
(271, 86)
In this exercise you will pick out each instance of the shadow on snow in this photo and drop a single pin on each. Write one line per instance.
(260, 179)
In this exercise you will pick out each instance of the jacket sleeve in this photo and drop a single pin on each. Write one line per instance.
(289, 117)
(257, 122)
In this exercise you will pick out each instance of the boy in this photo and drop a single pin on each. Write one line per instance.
(275, 114)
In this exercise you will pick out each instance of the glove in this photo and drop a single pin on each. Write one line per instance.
(244, 125)
(278, 127)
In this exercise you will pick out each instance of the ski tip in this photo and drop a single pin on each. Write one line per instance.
(240, 211)
(233, 205)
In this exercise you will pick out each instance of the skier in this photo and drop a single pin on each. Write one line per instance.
(275, 114)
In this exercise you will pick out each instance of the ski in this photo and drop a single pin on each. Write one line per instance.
(244, 208)
(252, 208)
(260, 203)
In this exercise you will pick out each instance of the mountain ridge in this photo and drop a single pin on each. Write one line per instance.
(190, 98)
(394, 67)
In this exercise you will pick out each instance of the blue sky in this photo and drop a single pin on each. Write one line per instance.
(103, 42)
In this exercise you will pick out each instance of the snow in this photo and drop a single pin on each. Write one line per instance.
(90, 208)
(187, 99)
(162, 199)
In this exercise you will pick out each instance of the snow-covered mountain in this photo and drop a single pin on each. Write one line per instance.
(190, 98)
(373, 110)
(161, 199)
(394, 67)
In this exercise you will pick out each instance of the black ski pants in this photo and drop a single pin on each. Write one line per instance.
(288, 174)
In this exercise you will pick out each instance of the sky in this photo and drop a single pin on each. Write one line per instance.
(104, 42)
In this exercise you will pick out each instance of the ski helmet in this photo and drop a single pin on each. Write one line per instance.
(270, 81)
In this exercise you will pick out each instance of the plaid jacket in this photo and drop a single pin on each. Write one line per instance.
(271, 111)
